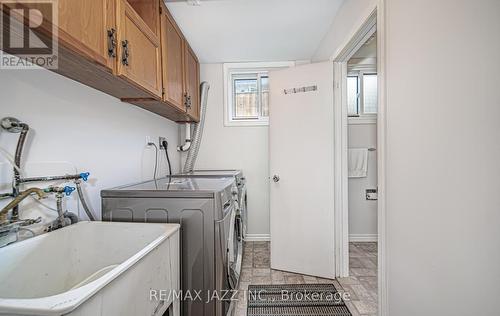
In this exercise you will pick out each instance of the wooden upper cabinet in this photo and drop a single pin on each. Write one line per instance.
(139, 59)
(84, 26)
(192, 82)
(130, 49)
(149, 11)
(172, 43)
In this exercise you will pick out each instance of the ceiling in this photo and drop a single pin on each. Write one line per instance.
(254, 30)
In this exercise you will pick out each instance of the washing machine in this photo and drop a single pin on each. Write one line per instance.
(242, 190)
(211, 250)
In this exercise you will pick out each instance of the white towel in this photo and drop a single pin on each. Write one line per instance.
(358, 162)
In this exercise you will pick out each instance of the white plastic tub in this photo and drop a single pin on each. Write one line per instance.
(91, 268)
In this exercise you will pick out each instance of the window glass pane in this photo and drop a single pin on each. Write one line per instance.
(370, 93)
(352, 96)
(245, 98)
(264, 86)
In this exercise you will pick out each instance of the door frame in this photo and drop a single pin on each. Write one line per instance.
(372, 20)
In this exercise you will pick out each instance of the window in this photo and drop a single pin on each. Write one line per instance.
(370, 94)
(362, 94)
(247, 93)
(352, 95)
(250, 96)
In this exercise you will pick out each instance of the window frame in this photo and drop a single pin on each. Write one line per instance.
(358, 91)
(361, 116)
(258, 75)
(242, 69)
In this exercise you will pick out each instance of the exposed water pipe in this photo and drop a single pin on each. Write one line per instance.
(187, 142)
(61, 215)
(5, 196)
(13, 125)
(74, 177)
(18, 199)
(86, 208)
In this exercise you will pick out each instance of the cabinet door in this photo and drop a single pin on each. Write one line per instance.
(192, 82)
(84, 26)
(172, 60)
(138, 50)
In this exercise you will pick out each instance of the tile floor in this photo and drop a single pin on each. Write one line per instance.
(361, 285)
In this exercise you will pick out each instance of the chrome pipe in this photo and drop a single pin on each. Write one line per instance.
(51, 178)
(13, 125)
(17, 161)
(187, 143)
(86, 208)
(5, 196)
(60, 212)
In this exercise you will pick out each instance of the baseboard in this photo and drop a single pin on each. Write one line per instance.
(352, 237)
(363, 237)
(258, 237)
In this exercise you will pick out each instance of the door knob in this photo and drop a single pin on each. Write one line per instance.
(276, 178)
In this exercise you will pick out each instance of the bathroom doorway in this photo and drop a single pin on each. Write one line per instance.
(356, 167)
(362, 177)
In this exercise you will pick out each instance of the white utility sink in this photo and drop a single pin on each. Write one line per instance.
(91, 268)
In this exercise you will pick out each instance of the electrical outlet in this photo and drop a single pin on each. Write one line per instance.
(160, 141)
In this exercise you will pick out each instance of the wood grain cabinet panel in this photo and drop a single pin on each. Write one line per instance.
(138, 50)
(81, 26)
(149, 11)
(172, 60)
(192, 82)
(130, 49)
(84, 26)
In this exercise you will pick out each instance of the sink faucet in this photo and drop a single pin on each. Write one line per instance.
(15, 202)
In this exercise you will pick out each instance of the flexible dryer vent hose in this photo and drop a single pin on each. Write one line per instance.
(197, 131)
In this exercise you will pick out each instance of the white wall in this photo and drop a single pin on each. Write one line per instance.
(362, 212)
(443, 153)
(349, 18)
(74, 126)
(243, 148)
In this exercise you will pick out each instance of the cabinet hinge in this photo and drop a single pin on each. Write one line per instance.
(163, 91)
(161, 10)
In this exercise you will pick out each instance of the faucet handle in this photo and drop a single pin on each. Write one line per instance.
(84, 176)
(68, 190)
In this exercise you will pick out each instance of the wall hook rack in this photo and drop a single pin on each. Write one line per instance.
(301, 89)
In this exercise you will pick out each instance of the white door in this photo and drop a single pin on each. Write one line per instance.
(301, 170)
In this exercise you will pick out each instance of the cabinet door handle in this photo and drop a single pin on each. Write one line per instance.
(112, 43)
(187, 101)
(125, 52)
